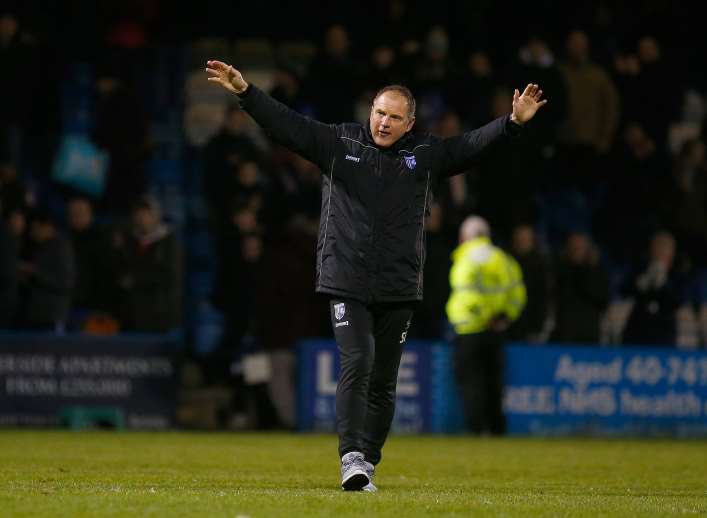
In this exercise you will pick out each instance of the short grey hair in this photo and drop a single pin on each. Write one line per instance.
(403, 91)
(473, 227)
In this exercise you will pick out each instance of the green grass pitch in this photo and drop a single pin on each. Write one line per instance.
(258, 475)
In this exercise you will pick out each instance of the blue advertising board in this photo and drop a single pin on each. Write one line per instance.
(549, 390)
(48, 380)
(425, 400)
(599, 391)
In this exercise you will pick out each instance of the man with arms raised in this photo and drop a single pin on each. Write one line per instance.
(377, 188)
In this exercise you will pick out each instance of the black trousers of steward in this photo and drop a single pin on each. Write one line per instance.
(370, 340)
(478, 369)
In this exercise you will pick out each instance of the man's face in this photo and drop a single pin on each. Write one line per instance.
(17, 222)
(383, 56)
(648, 50)
(390, 118)
(578, 248)
(523, 239)
(663, 249)
(41, 231)
(145, 219)
(246, 220)
(538, 50)
(79, 215)
(8, 28)
(337, 40)
(479, 64)
(578, 46)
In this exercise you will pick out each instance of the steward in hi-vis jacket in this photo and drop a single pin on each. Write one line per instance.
(487, 294)
(486, 283)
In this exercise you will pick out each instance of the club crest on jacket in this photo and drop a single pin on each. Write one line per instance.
(339, 310)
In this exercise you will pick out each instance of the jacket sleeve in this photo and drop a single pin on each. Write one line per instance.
(458, 153)
(608, 114)
(309, 138)
(516, 295)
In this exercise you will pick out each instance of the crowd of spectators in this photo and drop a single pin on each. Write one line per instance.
(603, 198)
(72, 260)
(81, 276)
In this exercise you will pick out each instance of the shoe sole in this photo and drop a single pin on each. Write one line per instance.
(355, 482)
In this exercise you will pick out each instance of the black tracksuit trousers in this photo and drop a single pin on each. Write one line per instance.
(370, 340)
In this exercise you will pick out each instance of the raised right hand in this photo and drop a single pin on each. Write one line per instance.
(227, 76)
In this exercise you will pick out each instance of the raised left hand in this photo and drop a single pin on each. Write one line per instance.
(227, 76)
(525, 106)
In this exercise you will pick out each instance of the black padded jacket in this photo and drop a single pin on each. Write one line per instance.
(371, 243)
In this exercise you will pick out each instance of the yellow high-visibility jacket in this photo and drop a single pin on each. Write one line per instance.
(486, 283)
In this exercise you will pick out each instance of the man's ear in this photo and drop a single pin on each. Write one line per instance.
(411, 123)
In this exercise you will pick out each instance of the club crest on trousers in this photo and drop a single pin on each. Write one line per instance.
(339, 310)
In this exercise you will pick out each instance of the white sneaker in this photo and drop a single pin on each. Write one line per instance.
(370, 471)
(353, 472)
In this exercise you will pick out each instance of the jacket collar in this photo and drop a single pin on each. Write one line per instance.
(464, 247)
